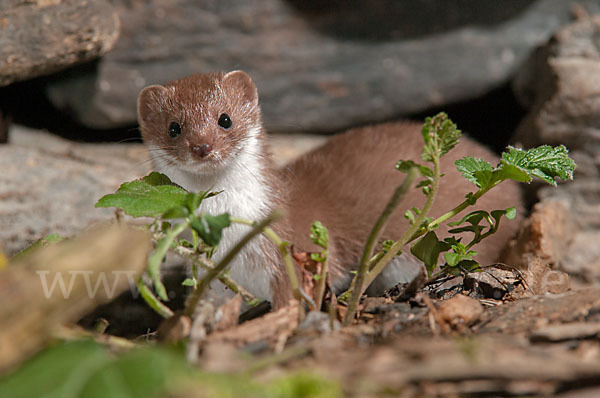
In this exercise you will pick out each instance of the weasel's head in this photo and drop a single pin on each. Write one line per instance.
(202, 122)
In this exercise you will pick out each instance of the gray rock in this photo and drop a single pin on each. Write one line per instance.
(50, 185)
(319, 66)
(561, 85)
(42, 37)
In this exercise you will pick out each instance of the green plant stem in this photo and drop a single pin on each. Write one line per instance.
(197, 294)
(393, 203)
(396, 248)
(288, 262)
(208, 265)
(159, 254)
(356, 287)
(455, 211)
(152, 301)
(321, 284)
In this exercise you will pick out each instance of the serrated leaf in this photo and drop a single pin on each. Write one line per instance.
(543, 162)
(476, 170)
(428, 249)
(319, 234)
(440, 135)
(209, 227)
(511, 172)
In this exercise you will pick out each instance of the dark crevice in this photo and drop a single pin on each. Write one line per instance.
(26, 103)
(491, 119)
(383, 20)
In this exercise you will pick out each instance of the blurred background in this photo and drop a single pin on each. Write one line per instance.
(321, 66)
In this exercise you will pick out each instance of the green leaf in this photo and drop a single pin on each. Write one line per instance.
(410, 216)
(476, 170)
(428, 249)
(473, 218)
(176, 212)
(188, 282)
(150, 196)
(319, 235)
(511, 172)
(453, 258)
(440, 135)
(386, 245)
(509, 213)
(319, 257)
(88, 369)
(209, 227)
(543, 162)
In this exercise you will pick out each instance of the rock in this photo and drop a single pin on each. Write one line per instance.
(319, 66)
(49, 185)
(564, 94)
(460, 311)
(546, 234)
(44, 36)
(556, 83)
(568, 331)
(539, 311)
(491, 282)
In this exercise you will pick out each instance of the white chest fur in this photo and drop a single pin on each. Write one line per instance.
(245, 195)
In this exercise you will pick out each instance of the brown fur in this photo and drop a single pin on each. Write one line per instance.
(345, 184)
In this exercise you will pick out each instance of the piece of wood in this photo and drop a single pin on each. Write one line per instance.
(44, 36)
(58, 284)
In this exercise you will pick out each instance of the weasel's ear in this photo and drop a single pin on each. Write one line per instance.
(243, 84)
(150, 102)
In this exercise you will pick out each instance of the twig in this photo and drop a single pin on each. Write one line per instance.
(196, 295)
(208, 265)
(288, 261)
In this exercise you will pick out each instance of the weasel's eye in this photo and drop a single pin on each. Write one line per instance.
(174, 129)
(225, 121)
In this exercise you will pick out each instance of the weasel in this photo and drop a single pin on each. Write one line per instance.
(205, 132)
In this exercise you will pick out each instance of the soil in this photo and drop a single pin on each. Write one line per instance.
(470, 344)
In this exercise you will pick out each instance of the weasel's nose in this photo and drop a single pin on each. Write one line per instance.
(202, 150)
